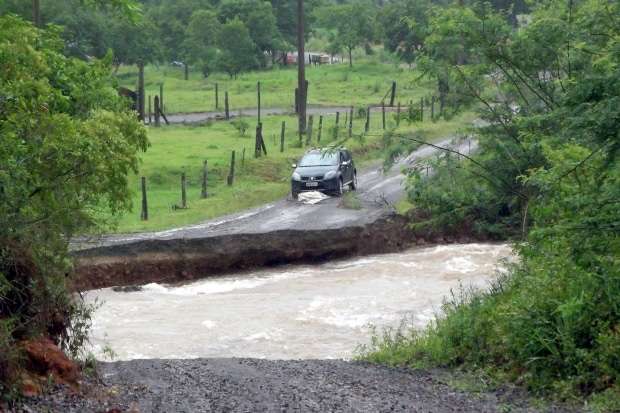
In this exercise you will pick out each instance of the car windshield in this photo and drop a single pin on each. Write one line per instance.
(319, 159)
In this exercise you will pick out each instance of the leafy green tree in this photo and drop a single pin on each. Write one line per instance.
(238, 51)
(201, 39)
(133, 42)
(259, 18)
(172, 17)
(404, 24)
(353, 22)
(67, 144)
(547, 172)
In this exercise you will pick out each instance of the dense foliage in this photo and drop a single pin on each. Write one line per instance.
(547, 171)
(186, 31)
(67, 143)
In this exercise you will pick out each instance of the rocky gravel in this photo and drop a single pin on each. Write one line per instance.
(253, 385)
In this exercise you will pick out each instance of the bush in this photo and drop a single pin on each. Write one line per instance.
(241, 125)
(68, 143)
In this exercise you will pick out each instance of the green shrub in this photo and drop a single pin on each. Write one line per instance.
(57, 174)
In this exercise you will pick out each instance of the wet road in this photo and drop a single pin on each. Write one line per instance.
(377, 190)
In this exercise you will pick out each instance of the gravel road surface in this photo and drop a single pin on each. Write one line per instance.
(252, 385)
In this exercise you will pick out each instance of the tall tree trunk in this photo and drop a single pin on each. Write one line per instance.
(36, 13)
(301, 66)
(350, 57)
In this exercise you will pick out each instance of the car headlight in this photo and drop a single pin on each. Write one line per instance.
(296, 176)
(330, 174)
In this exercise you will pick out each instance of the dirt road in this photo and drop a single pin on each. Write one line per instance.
(252, 385)
(285, 231)
(377, 191)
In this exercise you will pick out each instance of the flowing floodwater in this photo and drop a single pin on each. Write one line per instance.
(291, 312)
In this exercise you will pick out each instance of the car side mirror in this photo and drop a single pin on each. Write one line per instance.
(345, 163)
(294, 166)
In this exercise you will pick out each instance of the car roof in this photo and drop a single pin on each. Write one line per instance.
(319, 150)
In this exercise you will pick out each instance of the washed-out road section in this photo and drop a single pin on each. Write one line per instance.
(285, 231)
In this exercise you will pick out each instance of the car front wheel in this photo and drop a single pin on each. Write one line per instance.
(353, 184)
(340, 189)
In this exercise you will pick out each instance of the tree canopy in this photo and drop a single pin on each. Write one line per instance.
(67, 143)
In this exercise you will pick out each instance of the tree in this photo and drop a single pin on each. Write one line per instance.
(67, 143)
(353, 22)
(259, 18)
(238, 51)
(172, 17)
(404, 24)
(547, 172)
(201, 38)
(132, 43)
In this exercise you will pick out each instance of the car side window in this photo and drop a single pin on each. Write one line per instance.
(343, 157)
(348, 155)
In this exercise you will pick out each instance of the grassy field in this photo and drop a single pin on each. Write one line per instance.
(177, 149)
(364, 84)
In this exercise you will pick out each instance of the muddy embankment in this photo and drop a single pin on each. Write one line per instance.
(184, 259)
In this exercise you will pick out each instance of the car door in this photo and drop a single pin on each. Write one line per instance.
(351, 166)
(346, 166)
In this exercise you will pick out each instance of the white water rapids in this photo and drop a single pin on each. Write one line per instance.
(290, 312)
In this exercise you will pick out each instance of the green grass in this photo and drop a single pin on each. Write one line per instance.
(177, 149)
(329, 85)
(350, 201)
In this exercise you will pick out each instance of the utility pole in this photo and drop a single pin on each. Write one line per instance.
(141, 90)
(301, 67)
(36, 13)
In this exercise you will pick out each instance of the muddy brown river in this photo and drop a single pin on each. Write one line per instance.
(291, 312)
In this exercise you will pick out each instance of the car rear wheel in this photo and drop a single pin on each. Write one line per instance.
(353, 184)
(295, 195)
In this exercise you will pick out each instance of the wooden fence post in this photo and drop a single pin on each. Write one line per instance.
(337, 125)
(161, 96)
(393, 94)
(398, 114)
(259, 144)
(150, 109)
(421, 109)
(367, 126)
(203, 194)
(346, 119)
(258, 99)
(318, 137)
(141, 96)
(243, 158)
(183, 192)
(186, 67)
(296, 100)
(226, 111)
(144, 215)
(309, 132)
(433, 108)
(351, 122)
(157, 111)
(217, 97)
(383, 113)
(282, 136)
(231, 174)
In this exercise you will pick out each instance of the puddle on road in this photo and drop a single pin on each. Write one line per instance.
(311, 197)
(291, 312)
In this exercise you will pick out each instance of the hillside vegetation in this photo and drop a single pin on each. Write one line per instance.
(548, 176)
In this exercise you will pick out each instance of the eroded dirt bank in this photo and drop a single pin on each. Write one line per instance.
(183, 259)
